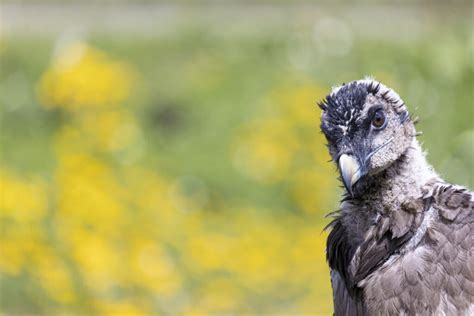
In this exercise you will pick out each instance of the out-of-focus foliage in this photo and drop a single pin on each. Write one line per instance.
(184, 174)
(121, 237)
(107, 234)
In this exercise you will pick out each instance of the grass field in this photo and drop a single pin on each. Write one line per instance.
(182, 172)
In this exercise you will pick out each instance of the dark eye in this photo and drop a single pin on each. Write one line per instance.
(378, 120)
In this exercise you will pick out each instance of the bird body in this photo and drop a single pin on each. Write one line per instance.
(403, 240)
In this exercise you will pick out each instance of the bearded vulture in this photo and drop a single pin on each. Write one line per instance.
(402, 242)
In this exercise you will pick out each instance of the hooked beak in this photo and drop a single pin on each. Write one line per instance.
(350, 171)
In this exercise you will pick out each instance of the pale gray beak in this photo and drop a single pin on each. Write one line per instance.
(350, 171)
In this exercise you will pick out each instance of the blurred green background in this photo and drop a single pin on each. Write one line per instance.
(165, 158)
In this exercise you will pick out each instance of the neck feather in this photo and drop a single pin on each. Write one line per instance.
(387, 191)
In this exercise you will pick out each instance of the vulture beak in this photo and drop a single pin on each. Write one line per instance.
(350, 171)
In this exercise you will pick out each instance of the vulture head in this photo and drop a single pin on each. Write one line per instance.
(367, 127)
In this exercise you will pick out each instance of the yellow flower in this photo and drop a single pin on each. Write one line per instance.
(98, 259)
(297, 104)
(22, 199)
(312, 189)
(264, 151)
(107, 130)
(149, 196)
(209, 251)
(219, 295)
(152, 268)
(84, 77)
(23, 205)
(88, 191)
(19, 242)
(120, 308)
(283, 144)
(53, 275)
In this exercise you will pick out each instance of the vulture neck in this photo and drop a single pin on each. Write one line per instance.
(388, 191)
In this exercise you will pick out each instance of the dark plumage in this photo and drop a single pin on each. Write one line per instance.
(403, 241)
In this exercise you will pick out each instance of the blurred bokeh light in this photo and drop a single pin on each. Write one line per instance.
(165, 159)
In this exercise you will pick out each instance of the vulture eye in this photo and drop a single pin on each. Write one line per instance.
(378, 120)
